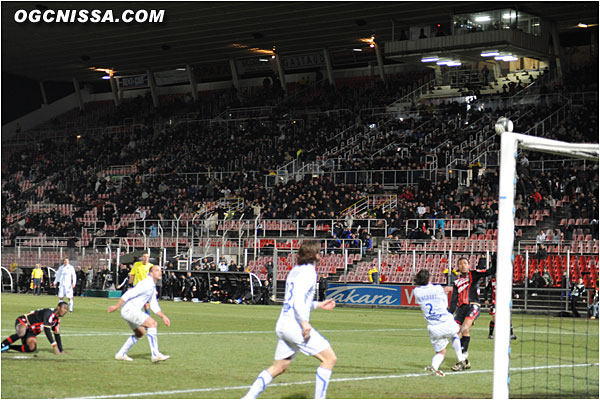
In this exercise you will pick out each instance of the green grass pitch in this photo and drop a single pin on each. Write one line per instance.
(217, 350)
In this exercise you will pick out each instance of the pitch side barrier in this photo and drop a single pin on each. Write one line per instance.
(374, 296)
(203, 278)
(20, 280)
(554, 301)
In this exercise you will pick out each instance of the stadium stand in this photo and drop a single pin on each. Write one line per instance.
(309, 164)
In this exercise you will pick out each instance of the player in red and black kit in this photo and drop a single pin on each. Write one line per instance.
(465, 295)
(490, 295)
(30, 325)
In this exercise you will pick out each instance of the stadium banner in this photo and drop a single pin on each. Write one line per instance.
(214, 71)
(408, 297)
(252, 65)
(380, 295)
(172, 77)
(132, 81)
(303, 61)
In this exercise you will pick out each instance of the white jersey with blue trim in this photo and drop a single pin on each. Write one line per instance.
(300, 287)
(144, 292)
(434, 303)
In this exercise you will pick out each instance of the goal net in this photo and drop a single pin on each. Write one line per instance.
(554, 357)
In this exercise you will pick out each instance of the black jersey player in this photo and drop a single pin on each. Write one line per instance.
(489, 295)
(28, 326)
(465, 301)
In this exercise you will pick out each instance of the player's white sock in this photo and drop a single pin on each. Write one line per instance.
(457, 348)
(321, 382)
(261, 382)
(153, 341)
(131, 340)
(436, 361)
(71, 305)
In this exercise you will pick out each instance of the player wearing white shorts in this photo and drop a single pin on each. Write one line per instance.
(133, 301)
(440, 323)
(293, 328)
(66, 279)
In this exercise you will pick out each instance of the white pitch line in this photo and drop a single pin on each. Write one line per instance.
(166, 333)
(355, 379)
(69, 334)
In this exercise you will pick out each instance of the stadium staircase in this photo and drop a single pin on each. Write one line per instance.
(368, 204)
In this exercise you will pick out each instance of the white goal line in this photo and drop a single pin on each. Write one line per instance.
(311, 382)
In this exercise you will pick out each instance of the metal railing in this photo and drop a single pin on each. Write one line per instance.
(29, 256)
(415, 94)
(551, 121)
(370, 202)
(583, 97)
(246, 112)
(559, 247)
(553, 165)
(44, 241)
(387, 178)
(448, 224)
(261, 228)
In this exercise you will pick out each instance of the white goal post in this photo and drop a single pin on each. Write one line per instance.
(509, 144)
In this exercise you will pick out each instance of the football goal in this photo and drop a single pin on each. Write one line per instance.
(510, 143)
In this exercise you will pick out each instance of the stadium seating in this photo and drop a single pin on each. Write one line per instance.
(101, 185)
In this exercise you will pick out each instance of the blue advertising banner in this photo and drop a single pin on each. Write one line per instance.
(381, 295)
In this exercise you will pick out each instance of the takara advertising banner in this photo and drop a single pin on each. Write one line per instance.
(380, 295)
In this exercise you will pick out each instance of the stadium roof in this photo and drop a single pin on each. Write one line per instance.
(205, 32)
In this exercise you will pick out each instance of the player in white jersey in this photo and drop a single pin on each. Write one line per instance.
(66, 279)
(293, 328)
(133, 301)
(440, 323)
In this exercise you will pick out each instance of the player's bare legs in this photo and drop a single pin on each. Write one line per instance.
(266, 376)
(149, 327)
(466, 327)
(328, 360)
(279, 367)
(465, 338)
(28, 345)
(465, 331)
(152, 335)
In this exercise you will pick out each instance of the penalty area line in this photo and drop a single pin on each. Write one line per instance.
(354, 379)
